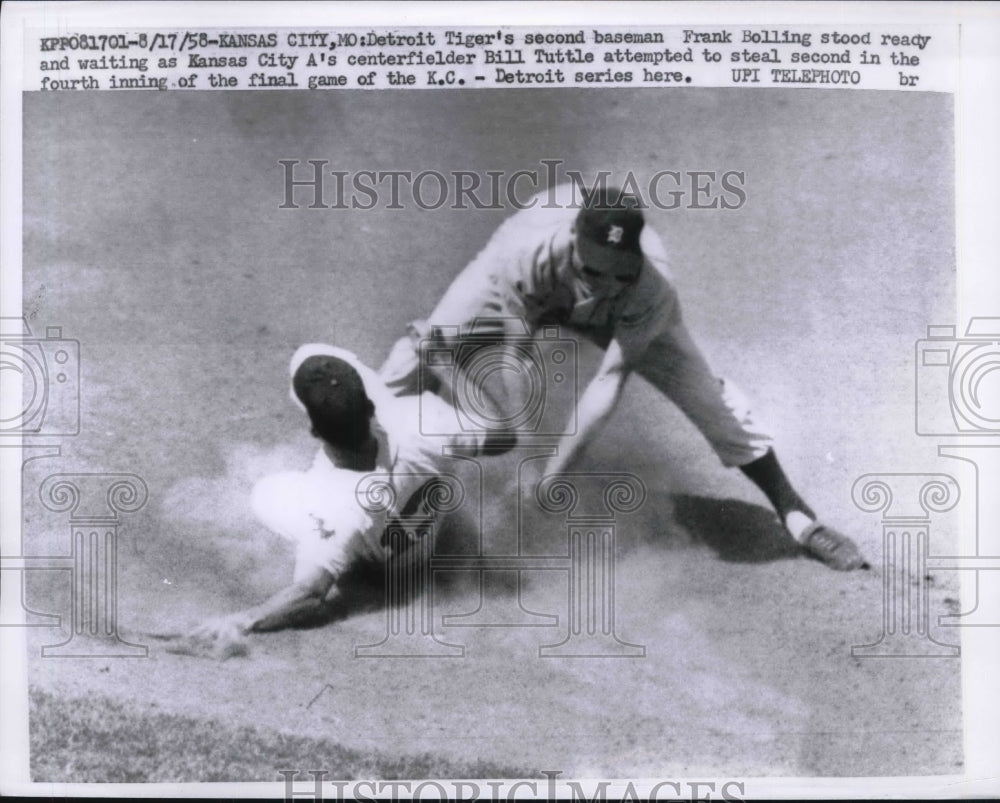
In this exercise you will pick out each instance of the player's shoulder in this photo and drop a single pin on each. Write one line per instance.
(527, 248)
(550, 208)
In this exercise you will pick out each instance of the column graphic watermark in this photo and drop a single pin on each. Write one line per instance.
(39, 403)
(905, 502)
(985, 561)
(957, 397)
(592, 541)
(408, 540)
(14, 609)
(588, 564)
(487, 387)
(94, 503)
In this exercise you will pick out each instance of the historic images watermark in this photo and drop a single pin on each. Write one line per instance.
(957, 384)
(317, 788)
(314, 184)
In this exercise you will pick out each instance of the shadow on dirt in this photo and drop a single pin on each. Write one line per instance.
(739, 532)
(363, 584)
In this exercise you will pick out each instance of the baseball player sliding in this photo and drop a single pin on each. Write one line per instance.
(600, 272)
(363, 429)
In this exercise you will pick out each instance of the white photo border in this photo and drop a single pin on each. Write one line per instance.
(977, 130)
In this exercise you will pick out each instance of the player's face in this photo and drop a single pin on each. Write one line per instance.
(602, 281)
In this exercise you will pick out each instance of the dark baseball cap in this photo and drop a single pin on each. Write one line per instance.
(333, 394)
(607, 231)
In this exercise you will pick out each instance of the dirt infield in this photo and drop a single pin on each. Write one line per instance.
(153, 236)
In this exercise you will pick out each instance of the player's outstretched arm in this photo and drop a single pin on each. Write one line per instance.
(594, 408)
(305, 601)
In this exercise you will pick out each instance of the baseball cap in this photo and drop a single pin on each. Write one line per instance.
(334, 396)
(608, 228)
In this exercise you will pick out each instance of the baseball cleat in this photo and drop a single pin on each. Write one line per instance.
(832, 548)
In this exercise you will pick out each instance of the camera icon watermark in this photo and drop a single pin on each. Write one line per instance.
(958, 380)
(48, 372)
(498, 377)
(957, 384)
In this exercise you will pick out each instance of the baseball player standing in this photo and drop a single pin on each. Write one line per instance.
(600, 272)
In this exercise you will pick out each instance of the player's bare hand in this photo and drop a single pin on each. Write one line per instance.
(220, 638)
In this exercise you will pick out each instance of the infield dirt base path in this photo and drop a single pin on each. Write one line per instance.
(152, 235)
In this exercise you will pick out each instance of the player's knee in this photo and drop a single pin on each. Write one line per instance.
(736, 400)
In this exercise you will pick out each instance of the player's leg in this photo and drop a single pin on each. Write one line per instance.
(674, 365)
(401, 370)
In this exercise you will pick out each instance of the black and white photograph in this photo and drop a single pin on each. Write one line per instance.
(408, 398)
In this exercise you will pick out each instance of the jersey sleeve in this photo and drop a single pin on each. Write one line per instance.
(651, 308)
(511, 277)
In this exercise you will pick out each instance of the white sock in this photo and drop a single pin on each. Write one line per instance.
(796, 523)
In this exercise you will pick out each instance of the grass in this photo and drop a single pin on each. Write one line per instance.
(90, 740)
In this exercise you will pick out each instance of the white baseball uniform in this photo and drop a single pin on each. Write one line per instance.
(319, 509)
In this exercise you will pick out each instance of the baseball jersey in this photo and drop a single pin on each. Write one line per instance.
(320, 510)
(526, 271)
